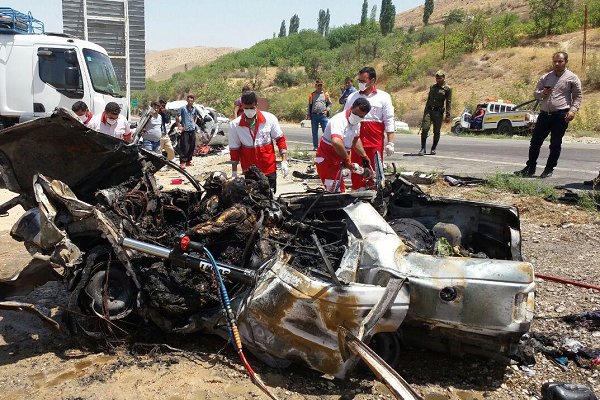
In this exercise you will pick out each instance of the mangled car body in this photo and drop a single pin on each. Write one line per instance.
(297, 268)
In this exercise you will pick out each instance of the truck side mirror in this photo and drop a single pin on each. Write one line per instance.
(72, 77)
(71, 57)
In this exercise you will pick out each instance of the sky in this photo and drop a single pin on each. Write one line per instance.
(233, 23)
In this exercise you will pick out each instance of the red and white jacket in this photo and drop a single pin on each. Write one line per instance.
(378, 121)
(255, 146)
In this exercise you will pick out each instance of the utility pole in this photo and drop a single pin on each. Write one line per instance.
(585, 22)
(444, 48)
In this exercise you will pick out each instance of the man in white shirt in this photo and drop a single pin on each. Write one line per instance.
(111, 123)
(378, 123)
(342, 135)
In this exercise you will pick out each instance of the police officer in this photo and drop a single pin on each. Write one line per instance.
(434, 111)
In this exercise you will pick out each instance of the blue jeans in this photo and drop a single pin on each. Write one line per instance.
(151, 146)
(315, 120)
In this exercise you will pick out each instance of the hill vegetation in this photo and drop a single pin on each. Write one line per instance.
(485, 53)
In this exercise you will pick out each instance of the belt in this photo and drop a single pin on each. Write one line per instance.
(564, 110)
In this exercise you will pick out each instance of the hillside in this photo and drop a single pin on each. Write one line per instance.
(161, 65)
(509, 73)
(414, 16)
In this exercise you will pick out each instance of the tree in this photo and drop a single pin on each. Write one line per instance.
(548, 15)
(365, 10)
(399, 58)
(282, 29)
(294, 24)
(387, 16)
(427, 11)
(321, 23)
(373, 16)
(455, 16)
(327, 18)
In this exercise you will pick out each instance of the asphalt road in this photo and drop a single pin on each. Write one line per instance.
(467, 156)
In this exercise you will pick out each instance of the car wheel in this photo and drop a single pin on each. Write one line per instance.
(387, 345)
(505, 127)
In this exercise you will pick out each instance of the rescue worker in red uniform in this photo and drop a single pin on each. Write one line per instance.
(251, 137)
(378, 123)
(333, 155)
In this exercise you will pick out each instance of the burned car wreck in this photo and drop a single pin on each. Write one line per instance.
(392, 267)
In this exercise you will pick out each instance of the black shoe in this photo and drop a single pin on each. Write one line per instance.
(593, 182)
(546, 174)
(422, 151)
(527, 171)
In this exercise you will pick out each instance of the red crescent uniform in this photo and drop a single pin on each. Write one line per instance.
(373, 128)
(255, 146)
(329, 163)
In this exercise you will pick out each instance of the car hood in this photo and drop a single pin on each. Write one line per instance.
(62, 148)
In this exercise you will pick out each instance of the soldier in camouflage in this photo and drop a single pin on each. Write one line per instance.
(439, 94)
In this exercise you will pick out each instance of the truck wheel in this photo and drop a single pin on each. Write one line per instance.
(458, 129)
(505, 127)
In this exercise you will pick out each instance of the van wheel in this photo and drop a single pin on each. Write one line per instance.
(505, 127)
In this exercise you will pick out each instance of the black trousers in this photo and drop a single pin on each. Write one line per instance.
(553, 124)
(187, 145)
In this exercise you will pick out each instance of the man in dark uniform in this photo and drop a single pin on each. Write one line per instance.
(439, 94)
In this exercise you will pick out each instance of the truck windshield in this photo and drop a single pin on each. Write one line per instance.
(102, 73)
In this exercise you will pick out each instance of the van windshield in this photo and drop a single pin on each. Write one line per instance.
(102, 73)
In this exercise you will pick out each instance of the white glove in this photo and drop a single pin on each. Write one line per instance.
(389, 149)
(357, 169)
(234, 174)
(285, 169)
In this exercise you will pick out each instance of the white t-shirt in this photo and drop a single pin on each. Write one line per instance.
(339, 126)
(118, 130)
(153, 128)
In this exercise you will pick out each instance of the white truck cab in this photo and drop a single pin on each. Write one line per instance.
(42, 71)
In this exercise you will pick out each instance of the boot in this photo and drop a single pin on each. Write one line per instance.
(593, 182)
(525, 172)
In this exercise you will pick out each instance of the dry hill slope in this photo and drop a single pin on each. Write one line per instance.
(506, 73)
(161, 65)
(414, 16)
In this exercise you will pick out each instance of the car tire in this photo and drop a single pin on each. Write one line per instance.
(505, 127)
(388, 346)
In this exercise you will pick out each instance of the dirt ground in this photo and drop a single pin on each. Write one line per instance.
(35, 363)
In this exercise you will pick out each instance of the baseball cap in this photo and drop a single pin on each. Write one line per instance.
(440, 72)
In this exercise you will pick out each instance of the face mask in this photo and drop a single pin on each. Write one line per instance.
(83, 118)
(111, 121)
(354, 119)
(250, 112)
(362, 86)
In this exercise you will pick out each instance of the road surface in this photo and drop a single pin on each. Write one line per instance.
(468, 156)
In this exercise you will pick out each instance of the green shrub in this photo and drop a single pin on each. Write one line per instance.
(286, 77)
(592, 73)
(519, 185)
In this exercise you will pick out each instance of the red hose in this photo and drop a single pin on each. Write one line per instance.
(568, 282)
